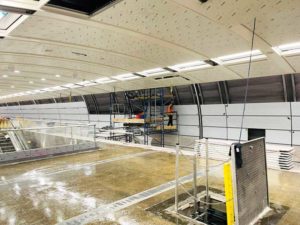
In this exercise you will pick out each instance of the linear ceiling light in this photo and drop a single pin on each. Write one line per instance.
(105, 80)
(71, 85)
(127, 76)
(288, 49)
(87, 83)
(56, 88)
(154, 72)
(240, 57)
(190, 66)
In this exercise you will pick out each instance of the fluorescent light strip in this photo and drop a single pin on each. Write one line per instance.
(127, 76)
(154, 72)
(71, 85)
(87, 83)
(239, 57)
(190, 66)
(288, 49)
(105, 80)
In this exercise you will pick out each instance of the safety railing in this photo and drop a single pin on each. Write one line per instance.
(42, 141)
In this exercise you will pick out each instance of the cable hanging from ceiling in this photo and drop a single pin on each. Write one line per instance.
(247, 80)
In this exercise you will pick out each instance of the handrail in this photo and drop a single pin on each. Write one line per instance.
(47, 128)
(21, 144)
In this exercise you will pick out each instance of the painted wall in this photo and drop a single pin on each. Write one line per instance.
(281, 120)
(73, 112)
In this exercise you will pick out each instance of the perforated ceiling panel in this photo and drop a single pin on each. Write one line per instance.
(137, 35)
(60, 29)
(258, 69)
(172, 22)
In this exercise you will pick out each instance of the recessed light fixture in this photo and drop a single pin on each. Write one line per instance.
(190, 66)
(87, 83)
(288, 49)
(240, 57)
(57, 75)
(12, 86)
(105, 80)
(31, 82)
(43, 79)
(4, 76)
(16, 71)
(38, 91)
(56, 88)
(154, 72)
(127, 76)
(71, 85)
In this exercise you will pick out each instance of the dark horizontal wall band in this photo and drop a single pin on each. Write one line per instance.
(281, 88)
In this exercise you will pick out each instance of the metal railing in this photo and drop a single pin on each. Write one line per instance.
(47, 137)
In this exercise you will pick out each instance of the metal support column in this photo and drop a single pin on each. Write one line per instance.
(177, 177)
(206, 177)
(195, 182)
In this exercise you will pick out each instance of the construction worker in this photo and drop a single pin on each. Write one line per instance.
(170, 111)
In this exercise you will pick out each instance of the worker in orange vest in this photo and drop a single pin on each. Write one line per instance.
(170, 111)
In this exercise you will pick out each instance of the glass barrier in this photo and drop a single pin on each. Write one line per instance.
(76, 136)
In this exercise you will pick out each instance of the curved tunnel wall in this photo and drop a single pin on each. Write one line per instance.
(272, 105)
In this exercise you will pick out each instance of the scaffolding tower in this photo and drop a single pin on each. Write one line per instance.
(150, 105)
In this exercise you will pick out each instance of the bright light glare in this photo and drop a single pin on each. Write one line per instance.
(153, 72)
(190, 66)
(105, 80)
(70, 85)
(127, 76)
(288, 49)
(86, 83)
(239, 57)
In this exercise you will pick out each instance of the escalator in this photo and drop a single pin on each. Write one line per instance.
(6, 144)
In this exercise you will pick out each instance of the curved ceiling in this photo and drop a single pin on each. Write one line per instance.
(133, 36)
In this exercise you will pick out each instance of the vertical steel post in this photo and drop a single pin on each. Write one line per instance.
(95, 135)
(206, 176)
(195, 180)
(176, 177)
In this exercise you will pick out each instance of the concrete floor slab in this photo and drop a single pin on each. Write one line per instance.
(37, 194)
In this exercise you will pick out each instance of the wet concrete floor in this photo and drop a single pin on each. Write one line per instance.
(53, 190)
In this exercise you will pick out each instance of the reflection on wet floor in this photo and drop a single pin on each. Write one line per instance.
(53, 190)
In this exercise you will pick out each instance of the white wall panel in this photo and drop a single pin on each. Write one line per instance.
(188, 130)
(296, 138)
(214, 132)
(213, 109)
(268, 109)
(186, 109)
(234, 109)
(261, 122)
(216, 121)
(234, 134)
(296, 108)
(188, 120)
(296, 123)
(277, 136)
(282, 108)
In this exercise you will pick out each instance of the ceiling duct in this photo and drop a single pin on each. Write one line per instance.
(88, 7)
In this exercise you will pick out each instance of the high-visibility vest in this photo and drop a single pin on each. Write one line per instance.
(170, 109)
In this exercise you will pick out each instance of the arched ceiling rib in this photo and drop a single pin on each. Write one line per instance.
(133, 36)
